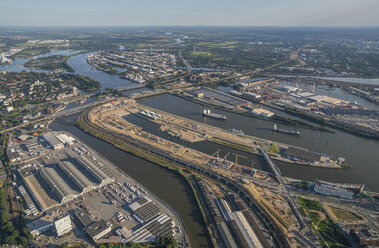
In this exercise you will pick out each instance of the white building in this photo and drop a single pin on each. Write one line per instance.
(63, 225)
(53, 141)
(262, 112)
(333, 191)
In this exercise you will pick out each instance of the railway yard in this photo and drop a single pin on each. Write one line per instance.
(268, 193)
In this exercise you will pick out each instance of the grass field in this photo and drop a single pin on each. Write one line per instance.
(330, 234)
(344, 215)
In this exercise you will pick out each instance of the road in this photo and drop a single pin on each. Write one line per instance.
(270, 224)
(285, 192)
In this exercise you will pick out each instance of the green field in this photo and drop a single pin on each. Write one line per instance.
(345, 215)
(330, 234)
(54, 62)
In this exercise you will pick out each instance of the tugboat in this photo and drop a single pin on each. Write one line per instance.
(207, 113)
(275, 129)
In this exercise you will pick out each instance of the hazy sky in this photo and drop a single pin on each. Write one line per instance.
(189, 12)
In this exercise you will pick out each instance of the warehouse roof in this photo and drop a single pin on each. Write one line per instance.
(54, 180)
(303, 154)
(77, 176)
(49, 137)
(100, 175)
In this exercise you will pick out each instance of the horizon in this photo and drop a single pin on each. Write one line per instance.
(241, 13)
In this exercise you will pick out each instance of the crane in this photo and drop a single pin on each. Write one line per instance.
(225, 157)
(217, 152)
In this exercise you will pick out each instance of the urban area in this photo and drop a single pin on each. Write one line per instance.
(188, 139)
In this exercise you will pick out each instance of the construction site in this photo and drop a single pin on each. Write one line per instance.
(109, 117)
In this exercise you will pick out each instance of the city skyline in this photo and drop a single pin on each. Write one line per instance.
(194, 13)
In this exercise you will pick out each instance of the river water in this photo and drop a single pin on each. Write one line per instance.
(373, 81)
(80, 65)
(362, 154)
(165, 184)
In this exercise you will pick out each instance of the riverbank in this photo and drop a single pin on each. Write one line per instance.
(118, 143)
(276, 118)
(333, 124)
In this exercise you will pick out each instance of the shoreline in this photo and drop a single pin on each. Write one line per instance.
(161, 162)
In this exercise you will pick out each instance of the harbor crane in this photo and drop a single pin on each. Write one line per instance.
(217, 152)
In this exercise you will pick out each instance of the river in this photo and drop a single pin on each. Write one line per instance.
(361, 154)
(373, 81)
(165, 184)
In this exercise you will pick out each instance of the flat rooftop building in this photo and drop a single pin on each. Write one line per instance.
(98, 229)
(53, 141)
(301, 154)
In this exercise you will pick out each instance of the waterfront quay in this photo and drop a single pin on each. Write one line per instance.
(69, 182)
(262, 195)
(194, 131)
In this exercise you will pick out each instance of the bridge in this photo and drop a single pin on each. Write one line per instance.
(270, 224)
(283, 189)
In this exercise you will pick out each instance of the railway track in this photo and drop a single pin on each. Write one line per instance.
(270, 224)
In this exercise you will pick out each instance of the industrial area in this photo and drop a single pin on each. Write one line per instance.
(283, 215)
(70, 192)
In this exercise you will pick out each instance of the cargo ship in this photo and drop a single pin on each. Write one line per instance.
(207, 113)
(275, 129)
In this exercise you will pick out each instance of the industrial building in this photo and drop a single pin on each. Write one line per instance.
(218, 97)
(160, 226)
(58, 185)
(262, 112)
(144, 209)
(67, 181)
(298, 154)
(98, 229)
(65, 139)
(332, 191)
(63, 225)
(53, 141)
(100, 174)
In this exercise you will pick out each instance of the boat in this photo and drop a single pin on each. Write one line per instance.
(278, 130)
(207, 113)
(236, 131)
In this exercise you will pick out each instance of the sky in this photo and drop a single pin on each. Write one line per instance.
(189, 13)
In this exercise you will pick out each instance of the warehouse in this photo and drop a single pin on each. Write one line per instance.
(98, 229)
(72, 181)
(59, 186)
(83, 183)
(65, 139)
(53, 141)
(101, 176)
(144, 209)
(297, 154)
(160, 226)
(262, 112)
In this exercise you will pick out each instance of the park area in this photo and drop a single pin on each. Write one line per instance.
(330, 235)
